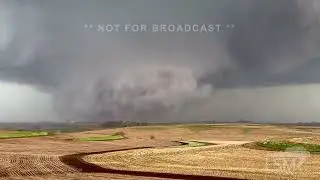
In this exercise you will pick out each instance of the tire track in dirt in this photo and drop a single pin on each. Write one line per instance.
(76, 161)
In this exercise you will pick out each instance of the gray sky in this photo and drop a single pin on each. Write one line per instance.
(265, 68)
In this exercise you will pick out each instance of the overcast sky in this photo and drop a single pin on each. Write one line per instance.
(254, 60)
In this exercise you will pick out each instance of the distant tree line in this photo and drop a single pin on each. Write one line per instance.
(114, 124)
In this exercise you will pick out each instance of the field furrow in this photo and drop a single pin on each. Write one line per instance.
(31, 165)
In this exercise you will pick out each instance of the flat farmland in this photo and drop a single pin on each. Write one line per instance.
(154, 152)
(226, 160)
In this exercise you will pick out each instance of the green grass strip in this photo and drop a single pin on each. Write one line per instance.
(23, 134)
(284, 145)
(112, 137)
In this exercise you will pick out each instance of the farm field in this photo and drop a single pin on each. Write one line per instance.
(189, 150)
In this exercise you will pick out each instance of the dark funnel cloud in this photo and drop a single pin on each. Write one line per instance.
(94, 75)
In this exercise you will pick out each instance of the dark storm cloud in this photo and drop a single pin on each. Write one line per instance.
(273, 39)
(100, 76)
